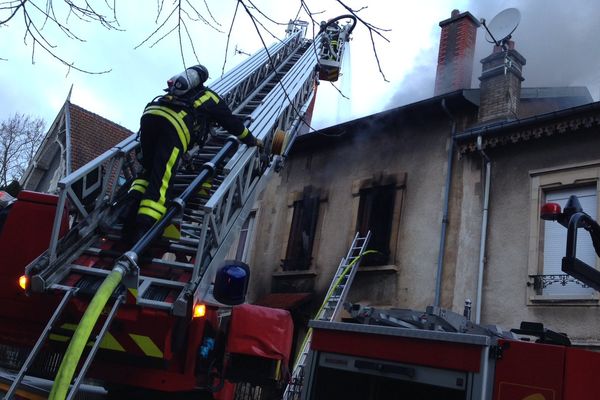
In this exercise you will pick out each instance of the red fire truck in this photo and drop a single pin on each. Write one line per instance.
(439, 354)
(166, 315)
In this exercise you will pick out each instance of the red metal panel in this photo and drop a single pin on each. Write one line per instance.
(529, 371)
(581, 372)
(137, 376)
(287, 301)
(437, 354)
(260, 331)
(24, 236)
(35, 197)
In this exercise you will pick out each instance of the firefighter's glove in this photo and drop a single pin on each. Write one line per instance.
(249, 141)
(260, 144)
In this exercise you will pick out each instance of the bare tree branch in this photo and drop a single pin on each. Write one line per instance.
(339, 91)
(237, 4)
(158, 29)
(192, 15)
(264, 15)
(295, 110)
(178, 19)
(36, 18)
(372, 30)
(20, 135)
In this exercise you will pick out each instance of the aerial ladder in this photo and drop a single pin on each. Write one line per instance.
(158, 285)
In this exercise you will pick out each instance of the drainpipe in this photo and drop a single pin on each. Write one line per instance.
(438, 275)
(484, 222)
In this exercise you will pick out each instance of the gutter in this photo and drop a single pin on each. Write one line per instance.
(489, 130)
(441, 251)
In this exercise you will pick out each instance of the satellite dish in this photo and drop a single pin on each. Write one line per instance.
(502, 26)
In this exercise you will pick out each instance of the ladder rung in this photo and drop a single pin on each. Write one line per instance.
(38, 345)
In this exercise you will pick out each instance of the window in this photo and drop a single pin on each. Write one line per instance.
(302, 232)
(375, 214)
(243, 245)
(555, 238)
(547, 283)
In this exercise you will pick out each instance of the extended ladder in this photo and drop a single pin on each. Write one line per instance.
(338, 290)
(272, 89)
(46, 332)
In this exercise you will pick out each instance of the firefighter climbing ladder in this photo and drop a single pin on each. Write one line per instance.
(273, 90)
(336, 294)
(215, 190)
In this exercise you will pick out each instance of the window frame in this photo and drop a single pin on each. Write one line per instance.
(543, 181)
(398, 180)
(293, 199)
(248, 238)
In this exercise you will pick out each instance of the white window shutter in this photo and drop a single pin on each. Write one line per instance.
(555, 241)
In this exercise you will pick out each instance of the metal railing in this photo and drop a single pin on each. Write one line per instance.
(541, 282)
(273, 89)
(276, 87)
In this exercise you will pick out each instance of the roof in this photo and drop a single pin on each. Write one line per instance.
(538, 103)
(91, 135)
(541, 100)
(506, 132)
(76, 137)
(422, 111)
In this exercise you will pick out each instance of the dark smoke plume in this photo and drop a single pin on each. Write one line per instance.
(559, 39)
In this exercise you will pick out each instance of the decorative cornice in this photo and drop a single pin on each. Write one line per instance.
(529, 129)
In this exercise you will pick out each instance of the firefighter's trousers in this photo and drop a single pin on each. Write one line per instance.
(161, 150)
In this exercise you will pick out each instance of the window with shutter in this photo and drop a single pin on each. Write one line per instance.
(375, 214)
(246, 232)
(555, 238)
(302, 232)
(548, 284)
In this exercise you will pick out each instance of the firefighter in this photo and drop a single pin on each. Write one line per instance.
(170, 125)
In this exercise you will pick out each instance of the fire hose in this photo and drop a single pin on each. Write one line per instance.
(82, 334)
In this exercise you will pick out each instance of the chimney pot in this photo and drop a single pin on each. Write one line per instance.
(500, 83)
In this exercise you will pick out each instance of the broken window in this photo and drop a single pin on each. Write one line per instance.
(375, 214)
(302, 232)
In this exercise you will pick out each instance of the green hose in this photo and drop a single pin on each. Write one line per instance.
(82, 335)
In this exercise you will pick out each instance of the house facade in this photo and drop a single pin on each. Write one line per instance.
(450, 188)
(76, 137)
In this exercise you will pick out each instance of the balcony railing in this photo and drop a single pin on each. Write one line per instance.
(541, 282)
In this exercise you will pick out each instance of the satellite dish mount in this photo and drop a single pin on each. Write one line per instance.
(502, 26)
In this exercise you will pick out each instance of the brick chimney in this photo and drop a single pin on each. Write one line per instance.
(457, 48)
(501, 77)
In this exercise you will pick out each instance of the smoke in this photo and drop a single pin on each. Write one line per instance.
(558, 39)
(419, 83)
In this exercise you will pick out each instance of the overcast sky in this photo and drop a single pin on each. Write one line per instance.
(557, 38)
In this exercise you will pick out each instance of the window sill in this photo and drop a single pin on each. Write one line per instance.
(564, 300)
(385, 269)
(301, 274)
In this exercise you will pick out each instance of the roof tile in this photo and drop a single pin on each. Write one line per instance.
(92, 135)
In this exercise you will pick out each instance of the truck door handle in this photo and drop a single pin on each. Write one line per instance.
(387, 368)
